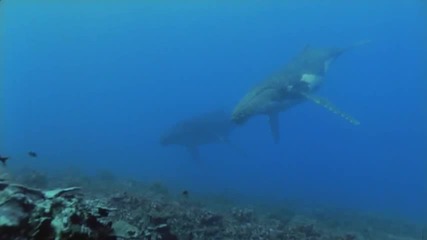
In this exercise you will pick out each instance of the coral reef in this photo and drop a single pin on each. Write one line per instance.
(27, 213)
(106, 207)
(181, 220)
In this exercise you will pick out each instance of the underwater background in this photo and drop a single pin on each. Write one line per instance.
(94, 85)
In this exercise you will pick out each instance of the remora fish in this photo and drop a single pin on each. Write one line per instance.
(207, 128)
(296, 82)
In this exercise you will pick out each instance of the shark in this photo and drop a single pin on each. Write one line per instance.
(206, 128)
(295, 83)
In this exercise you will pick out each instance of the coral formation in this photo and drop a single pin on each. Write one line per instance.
(28, 213)
(107, 208)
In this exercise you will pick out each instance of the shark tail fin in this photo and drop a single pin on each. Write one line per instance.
(326, 104)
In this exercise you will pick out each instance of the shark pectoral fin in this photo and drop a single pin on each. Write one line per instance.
(194, 152)
(326, 104)
(274, 126)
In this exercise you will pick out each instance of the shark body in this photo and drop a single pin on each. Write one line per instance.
(294, 84)
(208, 128)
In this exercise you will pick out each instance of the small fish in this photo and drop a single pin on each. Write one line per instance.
(32, 154)
(3, 160)
(185, 193)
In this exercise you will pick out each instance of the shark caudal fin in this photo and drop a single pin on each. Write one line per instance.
(326, 104)
(274, 126)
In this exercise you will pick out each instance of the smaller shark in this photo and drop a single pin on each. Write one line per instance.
(207, 128)
(294, 84)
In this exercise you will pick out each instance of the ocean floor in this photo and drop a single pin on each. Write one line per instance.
(71, 205)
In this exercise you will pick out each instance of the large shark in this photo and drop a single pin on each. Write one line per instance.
(207, 128)
(295, 83)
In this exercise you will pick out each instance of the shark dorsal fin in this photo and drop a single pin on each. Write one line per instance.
(326, 104)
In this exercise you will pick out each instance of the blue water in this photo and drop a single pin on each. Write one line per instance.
(95, 85)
